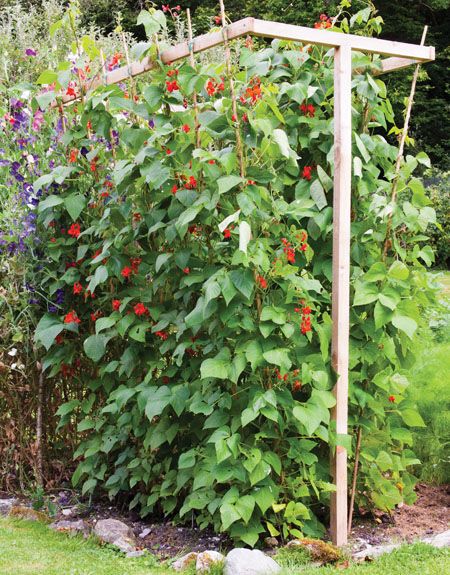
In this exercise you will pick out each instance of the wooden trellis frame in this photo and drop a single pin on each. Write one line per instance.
(400, 55)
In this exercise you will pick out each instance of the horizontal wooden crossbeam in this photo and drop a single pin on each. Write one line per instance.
(336, 39)
(403, 54)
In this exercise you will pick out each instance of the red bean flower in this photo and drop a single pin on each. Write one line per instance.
(186, 128)
(392, 398)
(77, 288)
(74, 230)
(116, 303)
(261, 281)
(226, 234)
(140, 309)
(126, 272)
(306, 174)
(72, 317)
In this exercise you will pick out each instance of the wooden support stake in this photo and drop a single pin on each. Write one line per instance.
(341, 278)
(192, 62)
(387, 242)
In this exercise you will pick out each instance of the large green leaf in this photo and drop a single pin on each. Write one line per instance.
(309, 415)
(280, 357)
(405, 324)
(243, 280)
(157, 399)
(226, 183)
(47, 329)
(215, 367)
(95, 346)
(75, 204)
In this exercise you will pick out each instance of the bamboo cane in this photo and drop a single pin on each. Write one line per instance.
(192, 62)
(239, 150)
(355, 476)
(387, 242)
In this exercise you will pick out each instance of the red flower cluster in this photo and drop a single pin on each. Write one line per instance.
(226, 234)
(72, 317)
(302, 237)
(71, 90)
(172, 85)
(77, 288)
(117, 57)
(140, 309)
(324, 22)
(253, 92)
(186, 271)
(162, 334)
(261, 281)
(74, 230)
(166, 8)
(392, 398)
(186, 128)
(306, 174)
(195, 230)
(135, 263)
(296, 384)
(116, 303)
(95, 315)
(213, 87)
(73, 155)
(308, 110)
(306, 318)
(126, 272)
(288, 250)
(191, 183)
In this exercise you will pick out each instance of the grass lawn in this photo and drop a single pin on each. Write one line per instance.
(29, 548)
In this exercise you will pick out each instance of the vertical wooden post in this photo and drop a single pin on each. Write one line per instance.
(341, 278)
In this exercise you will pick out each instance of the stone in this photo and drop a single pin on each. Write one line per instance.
(185, 561)
(249, 562)
(116, 533)
(6, 505)
(137, 553)
(74, 527)
(145, 532)
(271, 542)
(319, 551)
(374, 551)
(207, 559)
(28, 513)
(439, 540)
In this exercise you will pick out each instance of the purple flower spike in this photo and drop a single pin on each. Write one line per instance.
(30, 52)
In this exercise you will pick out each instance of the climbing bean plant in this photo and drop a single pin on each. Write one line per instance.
(196, 266)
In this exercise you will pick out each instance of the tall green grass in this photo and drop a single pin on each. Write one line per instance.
(430, 388)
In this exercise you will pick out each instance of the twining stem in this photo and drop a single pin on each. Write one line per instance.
(239, 150)
(192, 62)
(355, 476)
(387, 242)
(39, 414)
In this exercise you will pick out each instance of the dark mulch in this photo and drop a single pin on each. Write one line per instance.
(429, 515)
